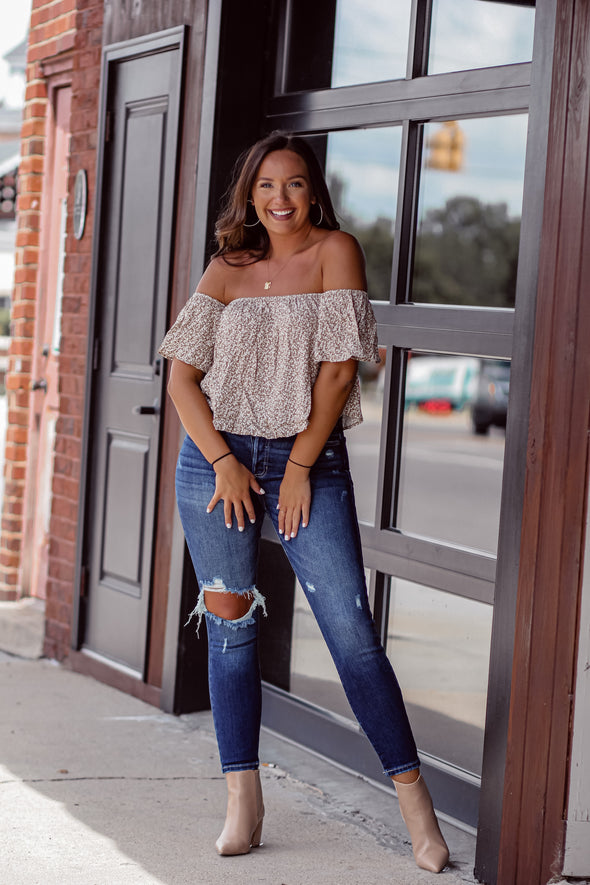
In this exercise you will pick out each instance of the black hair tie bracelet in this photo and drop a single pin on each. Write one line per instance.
(305, 466)
(220, 457)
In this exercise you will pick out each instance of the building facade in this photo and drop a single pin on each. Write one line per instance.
(455, 142)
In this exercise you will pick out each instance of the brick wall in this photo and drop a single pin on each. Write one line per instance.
(51, 34)
(74, 328)
(58, 28)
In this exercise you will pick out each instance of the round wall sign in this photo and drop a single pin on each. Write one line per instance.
(80, 203)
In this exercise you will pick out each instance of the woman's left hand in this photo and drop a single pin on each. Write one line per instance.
(294, 501)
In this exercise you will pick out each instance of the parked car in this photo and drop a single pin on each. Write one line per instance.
(440, 383)
(490, 403)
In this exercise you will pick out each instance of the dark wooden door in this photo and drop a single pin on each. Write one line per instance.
(133, 282)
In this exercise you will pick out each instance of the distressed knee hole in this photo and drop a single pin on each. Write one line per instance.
(227, 605)
(234, 607)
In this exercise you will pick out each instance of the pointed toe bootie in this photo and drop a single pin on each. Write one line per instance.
(245, 811)
(429, 847)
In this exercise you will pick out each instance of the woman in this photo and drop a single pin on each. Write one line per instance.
(264, 378)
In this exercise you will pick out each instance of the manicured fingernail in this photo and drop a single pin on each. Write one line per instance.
(286, 537)
(228, 525)
(262, 492)
(253, 521)
(278, 507)
(280, 531)
(240, 528)
(304, 525)
(208, 510)
(292, 534)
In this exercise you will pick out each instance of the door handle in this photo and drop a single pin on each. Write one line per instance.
(40, 384)
(146, 410)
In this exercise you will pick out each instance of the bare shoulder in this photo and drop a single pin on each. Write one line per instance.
(214, 280)
(343, 262)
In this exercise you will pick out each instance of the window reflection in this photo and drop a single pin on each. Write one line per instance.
(451, 467)
(467, 34)
(350, 42)
(439, 645)
(362, 171)
(469, 210)
(363, 441)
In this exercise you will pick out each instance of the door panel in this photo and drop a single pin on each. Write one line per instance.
(133, 283)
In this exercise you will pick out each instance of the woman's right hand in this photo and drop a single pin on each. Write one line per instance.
(232, 486)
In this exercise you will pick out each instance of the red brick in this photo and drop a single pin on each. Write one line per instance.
(18, 416)
(26, 237)
(36, 89)
(17, 434)
(68, 488)
(35, 109)
(33, 127)
(11, 523)
(63, 571)
(9, 559)
(26, 202)
(64, 508)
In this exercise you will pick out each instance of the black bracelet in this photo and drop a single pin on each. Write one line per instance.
(220, 457)
(301, 465)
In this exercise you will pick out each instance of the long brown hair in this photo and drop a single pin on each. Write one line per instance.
(231, 230)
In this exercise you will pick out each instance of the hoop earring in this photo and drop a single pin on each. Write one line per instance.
(317, 223)
(251, 225)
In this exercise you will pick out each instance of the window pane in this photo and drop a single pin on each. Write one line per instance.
(363, 441)
(346, 42)
(469, 211)
(476, 34)
(453, 449)
(362, 171)
(439, 645)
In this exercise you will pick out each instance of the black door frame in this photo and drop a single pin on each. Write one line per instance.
(172, 38)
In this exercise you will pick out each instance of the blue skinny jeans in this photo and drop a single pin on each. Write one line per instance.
(327, 560)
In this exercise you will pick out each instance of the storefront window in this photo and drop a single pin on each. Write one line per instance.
(363, 441)
(350, 42)
(469, 210)
(479, 34)
(439, 646)
(362, 171)
(453, 449)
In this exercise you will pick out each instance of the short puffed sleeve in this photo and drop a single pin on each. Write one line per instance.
(346, 327)
(192, 337)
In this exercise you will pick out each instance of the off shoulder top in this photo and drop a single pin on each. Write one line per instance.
(261, 355)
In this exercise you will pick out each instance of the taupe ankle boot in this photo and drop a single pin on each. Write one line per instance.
(429, 847)
(245, 811)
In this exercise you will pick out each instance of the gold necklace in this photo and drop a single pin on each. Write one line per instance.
(269, 282)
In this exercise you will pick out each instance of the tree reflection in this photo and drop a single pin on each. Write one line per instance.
(466, 251)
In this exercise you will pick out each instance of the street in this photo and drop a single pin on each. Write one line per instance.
(451, 479)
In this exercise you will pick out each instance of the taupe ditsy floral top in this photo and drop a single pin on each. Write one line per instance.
(261, 355)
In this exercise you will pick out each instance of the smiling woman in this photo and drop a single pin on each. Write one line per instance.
(265, 382)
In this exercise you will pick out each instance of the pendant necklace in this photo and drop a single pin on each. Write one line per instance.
(270, 281)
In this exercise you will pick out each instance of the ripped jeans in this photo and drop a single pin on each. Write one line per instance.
(327, 560)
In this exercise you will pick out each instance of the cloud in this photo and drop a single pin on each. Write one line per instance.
(367, 160)
(474, 34)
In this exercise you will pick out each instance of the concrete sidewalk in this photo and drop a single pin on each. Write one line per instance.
(98, 788)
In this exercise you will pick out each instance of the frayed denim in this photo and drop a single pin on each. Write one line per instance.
(327, 560)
